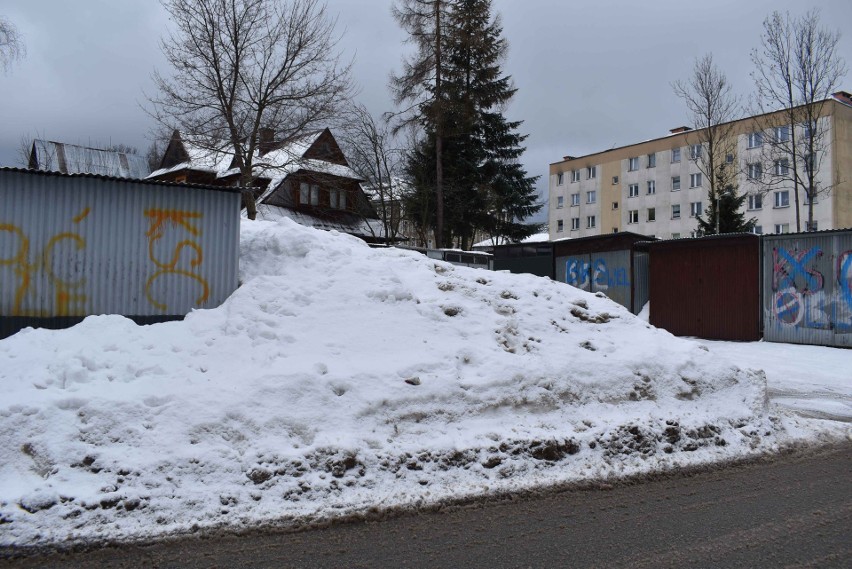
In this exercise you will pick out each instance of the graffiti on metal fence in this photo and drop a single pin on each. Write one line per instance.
(581, 273)
(53, 281)
(803, 297)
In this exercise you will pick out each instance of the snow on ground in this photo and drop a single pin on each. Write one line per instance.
(339, 379)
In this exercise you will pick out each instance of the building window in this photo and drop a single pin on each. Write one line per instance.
(694, 180)
(811, 226)
(675, 235)
(755, 201)
(590, 222)
(560, 202)
(560, 225)
(575, 223)
(782, 228)
(676, 211)
(633, 190)
(575, 175)
(591, 172)
(755, 171)
(695, 152)
(807, 130)
(333, 198)
(675, 155)
(675, 183)
(633, 216)
(782, 167)
(633, 164)
(652, 160)
(614, 180)
(575, 199)
(314, 194)
(782, 133)
(808, 199)
(729, 158)
(308, 194)
(809, 163)
(694, 209)
(652, 214)
(757, 230)
(755, 139)
(782, 199)
(560, 179)
(652, 187)
(615, 230)
(591, 197)
(614, 205)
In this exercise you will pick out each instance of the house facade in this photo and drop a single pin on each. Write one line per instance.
(657, 187)
(307, 180)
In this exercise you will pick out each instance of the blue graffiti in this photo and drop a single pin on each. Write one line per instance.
(595, 276)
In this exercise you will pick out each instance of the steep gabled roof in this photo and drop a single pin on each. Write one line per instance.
(51, 156)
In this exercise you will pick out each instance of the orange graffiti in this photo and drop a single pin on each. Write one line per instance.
(156, 230)
(82, 216)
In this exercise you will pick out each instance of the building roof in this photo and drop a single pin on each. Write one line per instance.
(48, 155)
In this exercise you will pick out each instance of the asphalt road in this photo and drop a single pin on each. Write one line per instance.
(793, 511)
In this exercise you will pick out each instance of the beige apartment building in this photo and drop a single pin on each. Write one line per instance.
(656, 187)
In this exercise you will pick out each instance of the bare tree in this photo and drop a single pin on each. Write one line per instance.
(372, 153)
(421, 82)
(12, 46)
(712, 107)
(797, 69)
(243, 67)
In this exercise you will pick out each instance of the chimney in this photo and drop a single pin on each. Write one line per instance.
(843, 97)
(680, 129)
(266, 140)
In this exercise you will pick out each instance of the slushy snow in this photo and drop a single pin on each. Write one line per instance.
(339, 379)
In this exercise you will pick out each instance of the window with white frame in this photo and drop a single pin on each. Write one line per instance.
(782, 167)
(560, 179)
(755, 201)
(333, 198)
(806, 199)
(315, 194)
(575, 223)
(560, 202)
(675, 235)
(676, 211)
(695, 151)
(694, 209)
(782, 199)
(755, 139)
(782, 228)
(633, 163)
(591, 172)
(781, 133)
(652, 160)
(754, 170)
(560, 226)
(575, 175)
(652, 187)
(591, 197)
(633, 190)
(675, 183)
(652, 214)
(304, 193)
(729, 158)
(614, 180)
(675, 155)
(575, 199)
(614, 205)
(757, 230)
(590, 222)
(694, 180)
(633, 216)
(807, 130)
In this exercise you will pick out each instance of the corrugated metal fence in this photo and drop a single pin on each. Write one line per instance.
(807, 288)
(73, 246)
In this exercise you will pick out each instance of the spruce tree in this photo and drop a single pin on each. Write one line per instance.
(732, 219)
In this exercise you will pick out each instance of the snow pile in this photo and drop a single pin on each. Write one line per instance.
(339, 379)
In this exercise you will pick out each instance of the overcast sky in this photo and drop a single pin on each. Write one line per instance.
(590, 74)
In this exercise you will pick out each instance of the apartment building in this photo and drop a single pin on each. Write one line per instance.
(656, 187)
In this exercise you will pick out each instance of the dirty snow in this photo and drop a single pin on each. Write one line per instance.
(339, 379)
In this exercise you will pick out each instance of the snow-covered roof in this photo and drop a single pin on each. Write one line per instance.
(54, 156)
(490, 242)
(360, 227)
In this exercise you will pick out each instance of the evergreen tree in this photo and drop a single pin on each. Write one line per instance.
(485, 187)
(731, 216)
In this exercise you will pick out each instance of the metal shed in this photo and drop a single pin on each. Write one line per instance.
(604, 263)
(533, 258)
(707, 287)
(807, 288)
(77, 245)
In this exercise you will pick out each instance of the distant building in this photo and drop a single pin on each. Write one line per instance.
(655, 188)
(307, 179)
(50, 156)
